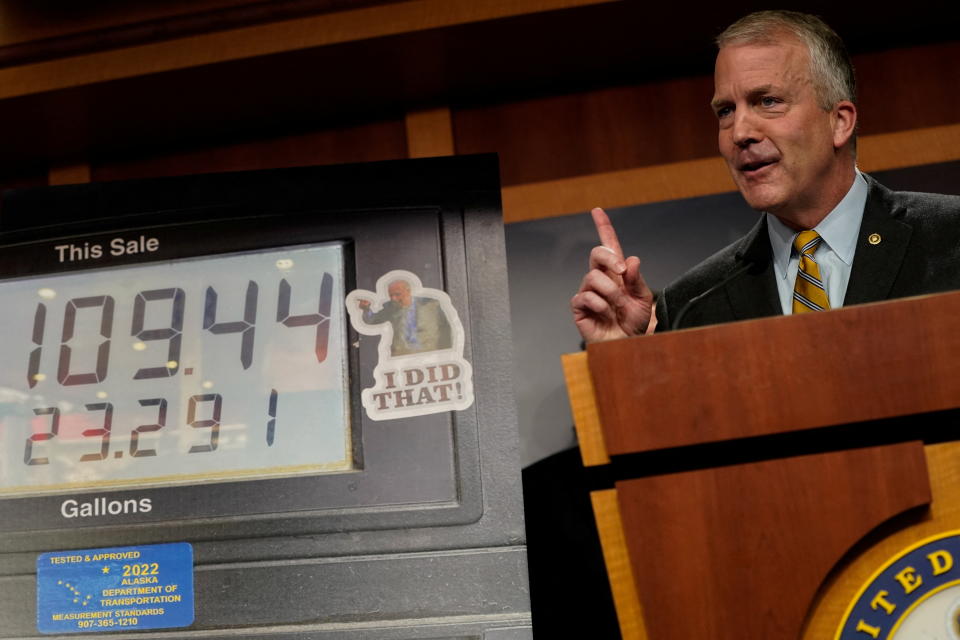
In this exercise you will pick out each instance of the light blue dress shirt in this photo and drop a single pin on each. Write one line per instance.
(839, 231)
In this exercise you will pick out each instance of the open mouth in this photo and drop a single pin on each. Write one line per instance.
(753, 167)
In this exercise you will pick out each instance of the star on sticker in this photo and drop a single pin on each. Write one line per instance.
(106, 569)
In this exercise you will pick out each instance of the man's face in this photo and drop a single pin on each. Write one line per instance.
(779, 144)
(400, 293)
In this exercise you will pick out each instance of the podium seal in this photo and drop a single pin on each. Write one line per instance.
(914, 595)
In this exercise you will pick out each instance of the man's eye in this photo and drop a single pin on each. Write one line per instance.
(723, 112)
(768, 101)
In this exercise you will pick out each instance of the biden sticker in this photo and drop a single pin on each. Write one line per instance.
(916, 595)
(421, 368)
(115, 589)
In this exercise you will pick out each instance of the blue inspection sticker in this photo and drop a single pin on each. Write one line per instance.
(115, 589)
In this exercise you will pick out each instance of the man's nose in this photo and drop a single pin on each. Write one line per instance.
(745, 128)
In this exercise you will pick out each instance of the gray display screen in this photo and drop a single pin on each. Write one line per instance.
(213, 369)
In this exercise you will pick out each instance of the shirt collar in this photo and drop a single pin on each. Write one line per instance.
(839, 229)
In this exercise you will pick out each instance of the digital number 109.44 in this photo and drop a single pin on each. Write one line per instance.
(172, 333)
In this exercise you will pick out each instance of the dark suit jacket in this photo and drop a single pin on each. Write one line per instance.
(918, 252)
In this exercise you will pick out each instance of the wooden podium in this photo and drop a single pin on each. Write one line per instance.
(764, 469)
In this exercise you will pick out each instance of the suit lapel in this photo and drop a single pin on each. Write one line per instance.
(876, 264)
(754, 293)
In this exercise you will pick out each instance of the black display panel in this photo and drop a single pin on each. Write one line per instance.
(166, 336)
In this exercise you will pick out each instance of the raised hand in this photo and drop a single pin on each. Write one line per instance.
(613, 301)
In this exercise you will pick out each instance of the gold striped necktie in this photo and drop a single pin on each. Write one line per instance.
(809, 293)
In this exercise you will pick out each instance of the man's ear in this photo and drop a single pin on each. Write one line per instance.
(845, 123)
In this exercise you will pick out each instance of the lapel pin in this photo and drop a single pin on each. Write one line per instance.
(874, 238)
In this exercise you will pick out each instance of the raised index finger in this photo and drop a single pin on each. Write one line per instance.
(608, 235)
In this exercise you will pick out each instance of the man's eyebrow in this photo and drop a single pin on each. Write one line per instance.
(752, 94)
(763, 90)
(716, 103)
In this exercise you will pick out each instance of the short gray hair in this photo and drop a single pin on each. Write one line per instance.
(830, 65)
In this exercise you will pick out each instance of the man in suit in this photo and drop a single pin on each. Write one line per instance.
(828, 235)
(419, 323)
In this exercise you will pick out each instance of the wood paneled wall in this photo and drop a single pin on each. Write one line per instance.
(604, 130)
(909, 88)
(578, 141)
(592, 132)
(25, 22)
(367, 142)
(561, 150)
